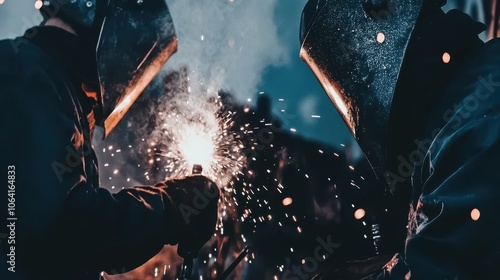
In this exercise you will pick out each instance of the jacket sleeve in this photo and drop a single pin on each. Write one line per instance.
(60, 215)
(459, 235)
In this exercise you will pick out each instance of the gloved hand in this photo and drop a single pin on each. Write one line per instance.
(195, 200)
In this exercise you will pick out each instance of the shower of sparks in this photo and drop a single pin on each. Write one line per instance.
(202, 135)
(192, 129)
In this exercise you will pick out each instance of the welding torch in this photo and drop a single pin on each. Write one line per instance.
(189, 252)
(185, 249)
(235, 263)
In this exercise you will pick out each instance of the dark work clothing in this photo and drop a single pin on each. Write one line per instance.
(456, 177)
(67, 227)
(456, 174)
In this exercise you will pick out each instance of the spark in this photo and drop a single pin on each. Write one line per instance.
(380, 37)
(38, 4)
(201, 133)
(359, 214)
(196, 145)
(446, 58)
(475, 214)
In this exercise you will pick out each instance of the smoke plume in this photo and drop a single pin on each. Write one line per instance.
(226, 44)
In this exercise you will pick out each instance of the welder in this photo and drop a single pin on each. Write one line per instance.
(421, 94)
(82, 68)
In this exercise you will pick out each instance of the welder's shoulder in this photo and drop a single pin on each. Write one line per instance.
(10, 65)
(488, 58)
(473, 123)
(491, 48)
(490, 76)
(483, 82)
(28, 73)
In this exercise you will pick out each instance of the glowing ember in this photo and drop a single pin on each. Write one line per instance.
(446, 58)
(380, 37)
(475, 214)
(287, 201)
(38, 4)
(359, 214)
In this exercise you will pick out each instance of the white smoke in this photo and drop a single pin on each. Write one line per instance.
(16, 17)
(226, 44)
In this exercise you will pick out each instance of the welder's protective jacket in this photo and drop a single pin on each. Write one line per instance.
(456, 227)
(454, 230)
(67, 227)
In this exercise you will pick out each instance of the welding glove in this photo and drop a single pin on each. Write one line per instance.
(195, 207)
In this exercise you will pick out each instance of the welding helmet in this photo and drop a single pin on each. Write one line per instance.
(356, 50)
(133, 40)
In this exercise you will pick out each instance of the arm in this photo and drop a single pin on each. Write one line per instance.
(449, 244)
(61, 215)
